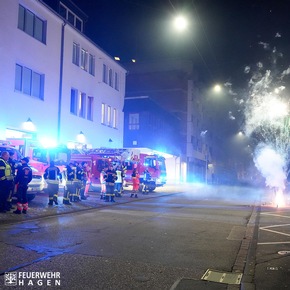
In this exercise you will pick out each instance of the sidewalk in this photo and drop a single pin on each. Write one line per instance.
(39, 207)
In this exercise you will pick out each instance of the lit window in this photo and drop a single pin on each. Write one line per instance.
(115, 118)
(103, 114)
(82, 105)
(76, 54)
(109, 116)
(84, 59)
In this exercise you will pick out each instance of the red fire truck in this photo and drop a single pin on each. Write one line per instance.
(99, 159)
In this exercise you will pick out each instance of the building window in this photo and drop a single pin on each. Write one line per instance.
(76, 54)
(29, 82)
(109, 116)
(92, 65)
(72, 18)
(82, 105)
(103, 114)
(73, 101)
(31, 24)
(90, 108)
(84, 59)
(110, 77)
(134, 121)
(116, 81)
(105, 74)
(115, 118)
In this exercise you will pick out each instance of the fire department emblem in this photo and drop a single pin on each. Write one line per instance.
(10, 279)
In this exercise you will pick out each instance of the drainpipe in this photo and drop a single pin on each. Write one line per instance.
(60, 82)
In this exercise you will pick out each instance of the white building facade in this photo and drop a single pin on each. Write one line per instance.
(56, 85)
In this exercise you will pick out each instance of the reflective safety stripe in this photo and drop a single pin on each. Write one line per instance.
(7, 168)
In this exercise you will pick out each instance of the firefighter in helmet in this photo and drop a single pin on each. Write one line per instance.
(110, 184)
(52, 176)
(23, 177)
(70, 189)
(13, 164)
(6, 180)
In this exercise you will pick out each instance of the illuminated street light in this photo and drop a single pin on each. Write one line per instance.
(81, 137)
(180, 23)
(217, 88)
(28, 125)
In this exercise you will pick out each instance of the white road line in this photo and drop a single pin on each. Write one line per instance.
(274, 226)
(276, 232)
(273, 243)
(278, 215)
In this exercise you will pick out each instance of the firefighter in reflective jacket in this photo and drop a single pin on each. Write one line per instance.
(110, 184)
(23, 177)
(6, 180)
(70, 189)
(52, 176)
(13, 164)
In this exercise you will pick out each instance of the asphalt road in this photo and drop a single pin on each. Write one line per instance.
(166, 240)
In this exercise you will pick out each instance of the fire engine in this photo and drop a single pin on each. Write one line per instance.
(128, 159)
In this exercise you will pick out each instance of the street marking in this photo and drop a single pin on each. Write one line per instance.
(273, 214)
(274, 226)
(273, 243)
(267, 229)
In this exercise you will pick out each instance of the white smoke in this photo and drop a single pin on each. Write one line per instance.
(271, 165)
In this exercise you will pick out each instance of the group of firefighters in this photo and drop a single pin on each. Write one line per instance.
(15, 177)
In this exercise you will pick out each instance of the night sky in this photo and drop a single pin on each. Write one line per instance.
(224, 36)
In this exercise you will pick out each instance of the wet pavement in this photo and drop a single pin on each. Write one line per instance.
(267, 255)
(39, 207)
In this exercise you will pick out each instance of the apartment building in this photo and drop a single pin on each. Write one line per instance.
(56, 85)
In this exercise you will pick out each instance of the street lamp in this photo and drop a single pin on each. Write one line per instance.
(180, 23)
(217, 88)
(28, 125)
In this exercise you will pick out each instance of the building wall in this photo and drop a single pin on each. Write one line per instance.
(51, 116)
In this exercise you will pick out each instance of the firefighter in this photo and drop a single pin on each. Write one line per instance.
(52, 176)
(87, 178)
(146, 181)
(6, 180)
(136, 182)
(84, 178)
(13, 164)
(110, 184)
(70, 189)
(124, 170)
(23, 177)
(79, 183)
(103, 177)
(118, 182)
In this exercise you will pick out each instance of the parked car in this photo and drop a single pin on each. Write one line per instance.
(36, 185)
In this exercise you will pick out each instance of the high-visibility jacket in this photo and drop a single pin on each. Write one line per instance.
(5, 170)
